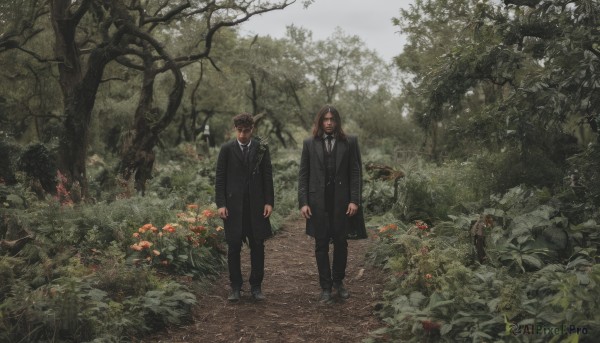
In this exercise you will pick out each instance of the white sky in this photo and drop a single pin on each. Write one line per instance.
(370, 20)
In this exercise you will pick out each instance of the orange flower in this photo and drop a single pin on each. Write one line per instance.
(145, 244)
(136, 247)
(198, 229)
(156, 252)
(388, 228)
(208, 213)
(136, 235)
(428, 276)
(145, 228)
(169, 228)
(154, 229)
(192, 206)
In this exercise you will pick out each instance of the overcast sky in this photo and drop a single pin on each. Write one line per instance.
(370, 20)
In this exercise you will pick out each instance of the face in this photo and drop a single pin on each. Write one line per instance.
(244, 134)
(328, 123)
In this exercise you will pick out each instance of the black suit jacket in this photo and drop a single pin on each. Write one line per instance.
(232, 176)
(348, 188)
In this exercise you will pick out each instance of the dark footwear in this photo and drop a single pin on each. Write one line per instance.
(234, 296)
(342, 291)
(325, 296)
(257, 294)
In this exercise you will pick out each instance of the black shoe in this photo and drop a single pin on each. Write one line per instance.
(257, 294)
(342, 291)
(325, 296)
(234, 296)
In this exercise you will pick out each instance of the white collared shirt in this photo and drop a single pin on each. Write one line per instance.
(242, 148)
(332, 141)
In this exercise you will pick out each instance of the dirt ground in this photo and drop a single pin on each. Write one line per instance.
(291, 311)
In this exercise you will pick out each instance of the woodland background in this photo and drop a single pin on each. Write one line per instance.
(484, 129)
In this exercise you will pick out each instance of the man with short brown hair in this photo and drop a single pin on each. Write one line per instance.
(245, 199)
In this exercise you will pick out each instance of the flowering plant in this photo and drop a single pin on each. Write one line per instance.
(181, 245)
(263, 146)
(387, 231)
(421, 228)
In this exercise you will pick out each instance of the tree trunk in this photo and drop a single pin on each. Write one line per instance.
(138, 158)
(79, 89)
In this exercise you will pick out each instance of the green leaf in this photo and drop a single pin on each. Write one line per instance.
(583, 278)
(445, 329)
(416, 298)
(440, 304)
(532, 261)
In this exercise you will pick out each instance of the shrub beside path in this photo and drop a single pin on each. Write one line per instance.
(291, 312)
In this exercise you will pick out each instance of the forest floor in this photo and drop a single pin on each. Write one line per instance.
(291, 311)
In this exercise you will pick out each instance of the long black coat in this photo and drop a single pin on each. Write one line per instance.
(311, 188)
(232, 177)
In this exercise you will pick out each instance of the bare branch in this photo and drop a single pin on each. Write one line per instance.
(38, 57)
(528, 3)
(113, 79)
(212, 30)
(81, 11)
(166, 17)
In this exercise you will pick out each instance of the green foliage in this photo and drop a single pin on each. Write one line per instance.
(540, 271)
(8, 161)
(75, 309)
(285, 180)
(585, 174)
(78, 280)
(191, 246)
(37, 163)
(430, 193)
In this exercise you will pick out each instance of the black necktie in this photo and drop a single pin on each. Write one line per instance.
(245, 152)
(329, 139)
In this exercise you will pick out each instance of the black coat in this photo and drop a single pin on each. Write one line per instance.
(348, 188)
(232, 177)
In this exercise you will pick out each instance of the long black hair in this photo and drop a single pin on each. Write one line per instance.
(318, 124)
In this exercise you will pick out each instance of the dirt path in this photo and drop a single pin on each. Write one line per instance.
(291, 312)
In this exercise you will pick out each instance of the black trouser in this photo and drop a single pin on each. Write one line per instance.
(257, 254)
(331, 275)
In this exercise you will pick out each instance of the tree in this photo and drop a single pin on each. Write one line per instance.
(274, 79)
(541, 59)
(90, 34)
(18, 20)
(435, 30)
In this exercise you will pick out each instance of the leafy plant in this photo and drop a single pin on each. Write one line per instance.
(191, 246)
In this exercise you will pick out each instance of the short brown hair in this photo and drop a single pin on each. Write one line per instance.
(243, 120)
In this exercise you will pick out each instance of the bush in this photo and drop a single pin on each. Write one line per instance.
(37, 163)
(8, 152)
(533, 277)
(584, 174)
(81, 279)
(432, 193)
(502, 171)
